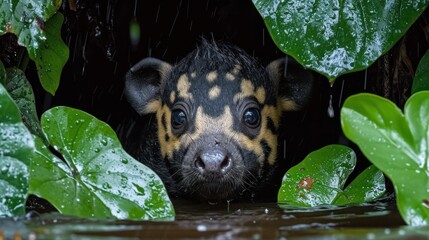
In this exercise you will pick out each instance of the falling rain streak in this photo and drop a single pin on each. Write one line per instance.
(330, 111)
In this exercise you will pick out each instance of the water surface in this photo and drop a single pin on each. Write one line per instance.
(227, 221)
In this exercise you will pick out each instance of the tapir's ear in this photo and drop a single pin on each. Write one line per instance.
(143, 84)
(294, 83)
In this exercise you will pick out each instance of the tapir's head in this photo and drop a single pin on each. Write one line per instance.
(218, 112)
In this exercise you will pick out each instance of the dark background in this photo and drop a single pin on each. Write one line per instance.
(97, 33)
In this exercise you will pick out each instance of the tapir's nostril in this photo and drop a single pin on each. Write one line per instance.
(213, 161)
(199, 164)
(226, 164)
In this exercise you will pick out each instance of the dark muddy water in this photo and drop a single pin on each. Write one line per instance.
(233, 221)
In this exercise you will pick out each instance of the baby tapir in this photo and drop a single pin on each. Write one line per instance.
(217, 113)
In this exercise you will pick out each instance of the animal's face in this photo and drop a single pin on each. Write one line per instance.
(218, 114)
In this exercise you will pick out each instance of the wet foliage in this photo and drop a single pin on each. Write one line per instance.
(90, 175)
(321, 177)
(16, 149)
(397, 143)
(21, 91)
(75, 174)
(337, 37)
(421, 79)
(38, 28)
(93, 176)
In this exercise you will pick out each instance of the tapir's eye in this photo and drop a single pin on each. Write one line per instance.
(252, 117)
(178, 118)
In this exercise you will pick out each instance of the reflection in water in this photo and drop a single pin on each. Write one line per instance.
(226, 221)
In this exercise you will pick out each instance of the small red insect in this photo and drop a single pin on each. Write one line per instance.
(306, 183)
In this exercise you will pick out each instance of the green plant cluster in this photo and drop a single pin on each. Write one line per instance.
(74, 161)
(69, 158)
(338, 37)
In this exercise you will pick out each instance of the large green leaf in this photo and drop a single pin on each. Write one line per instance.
(38, 28)
(16, 151)
(22, 93)
(51, 55)
(96, 178)
(319, 180)
(366, 187)
(398, 144)
(336, 37)
(421, 79)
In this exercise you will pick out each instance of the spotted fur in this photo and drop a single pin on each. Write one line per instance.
(218, 114)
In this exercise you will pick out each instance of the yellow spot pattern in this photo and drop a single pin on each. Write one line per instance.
(214, 92)
(248, 90)
(183, 86)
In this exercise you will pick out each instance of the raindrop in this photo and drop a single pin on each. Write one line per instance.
(201, 228)
(134, 32)
(135, 7)
(106, 185)
(124, 160)
(97, 150)
(104, 142)
(330, 111)
(124, 181)
(174, 22)
(341, 94)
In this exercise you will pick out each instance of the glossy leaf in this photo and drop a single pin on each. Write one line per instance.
(22, 93)
(16, 151)
(397, 144)
(96, 177)
(38, 28)
(51, 55)
(319, 178)
(337, 37)
(367, 186)
(421, 79)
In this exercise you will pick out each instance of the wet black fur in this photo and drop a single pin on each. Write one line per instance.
(207, 57)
